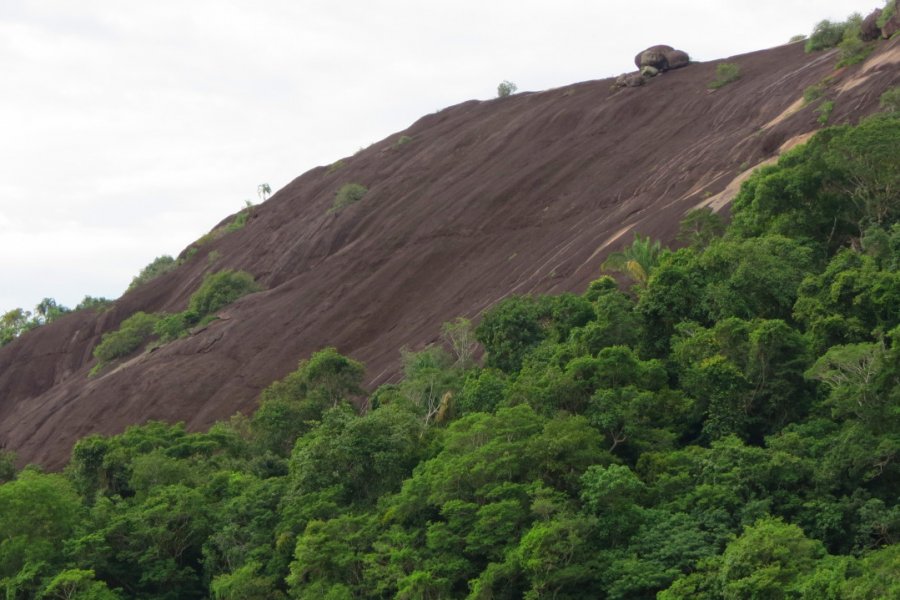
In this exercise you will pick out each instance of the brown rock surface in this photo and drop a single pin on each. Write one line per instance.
(892, 26)
(654, 56)
(677, 59)
(527, 194)
(869, 29)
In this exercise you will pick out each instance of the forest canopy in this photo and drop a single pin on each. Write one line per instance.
(726, 427)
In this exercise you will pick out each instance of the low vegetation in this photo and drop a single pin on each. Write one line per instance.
(826, 34)
(159, 265)
(813, 93)
(350, 193)
(725, 73)
(506, 88)
(217, 291)
(17, 321)
(890, 100)
(824, 111)
(132, 334)
(727, 427)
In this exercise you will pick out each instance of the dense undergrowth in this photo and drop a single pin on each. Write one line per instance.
(727, 428)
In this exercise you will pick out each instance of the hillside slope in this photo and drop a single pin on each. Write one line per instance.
(515, 195)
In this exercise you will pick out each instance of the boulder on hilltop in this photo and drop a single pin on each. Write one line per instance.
(654, 56)
(678, 59)
(661, 57)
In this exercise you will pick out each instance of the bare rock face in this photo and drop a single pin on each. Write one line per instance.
(678, 59)
(662, 58)
(654, 56)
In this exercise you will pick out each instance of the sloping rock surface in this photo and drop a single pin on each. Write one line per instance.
(527, 194)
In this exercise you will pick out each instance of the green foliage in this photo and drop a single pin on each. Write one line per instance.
(14, 323)
(91, 303)
(77, 583)
(890, 7)
(827, 191)
(890, 100)
(219, 290)
(459, 335)
(509, 330)
(826, 34)
(824, 111)
(7, 466)
(506, 88)
(239, 221)
(725, 73)
(403, 140)
(700, 226)
(637, 261)
(290, 407)
(37, 511)
(728, 429)
(159, 266)
(350, 193)
(132, 333)
(852, 48)
(813, 93)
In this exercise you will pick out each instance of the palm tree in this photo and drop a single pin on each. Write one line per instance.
(637, 261)
(263, 191)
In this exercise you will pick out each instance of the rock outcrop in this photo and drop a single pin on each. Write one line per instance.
(662, 58)
(892, 25)
(869, 29)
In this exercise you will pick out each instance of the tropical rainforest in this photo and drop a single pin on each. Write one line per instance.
(720, 420)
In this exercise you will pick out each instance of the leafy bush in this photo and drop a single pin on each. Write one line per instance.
(824, 111)
(132, 333)
(506, 88)
(220, 289)
(161, 264)
(813, 93)
(890, 100)
(350, 193)
(725, 74)
(403, 140)
(826, 34)
(239, 221)
(797, 38)
(170, 327)
(886, 14)
(94, 303)
(852, 48)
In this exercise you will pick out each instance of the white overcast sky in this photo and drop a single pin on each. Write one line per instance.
(129, 128)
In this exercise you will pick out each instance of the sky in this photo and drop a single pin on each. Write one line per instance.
(128, 129)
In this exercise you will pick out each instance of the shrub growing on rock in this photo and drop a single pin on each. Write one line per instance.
(890, 100)
(826, 34)
(132, 333)
(350, 193)
(506, 88)
(220, 289)
(160, 265)
(725, 74)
